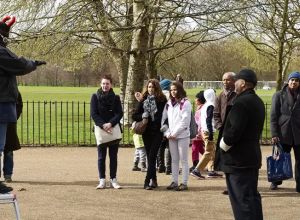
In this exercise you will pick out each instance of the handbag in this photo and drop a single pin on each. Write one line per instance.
(279, 164)
(139, 127)
(104, 138)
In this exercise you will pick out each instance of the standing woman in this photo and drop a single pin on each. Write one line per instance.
(150, 110)
(106, 111)
(178, 111)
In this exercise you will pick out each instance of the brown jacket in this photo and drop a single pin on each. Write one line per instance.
(221, 104)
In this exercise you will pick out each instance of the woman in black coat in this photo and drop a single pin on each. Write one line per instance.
(106, 111)
(150, 110)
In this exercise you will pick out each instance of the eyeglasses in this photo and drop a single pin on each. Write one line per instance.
(294, 79)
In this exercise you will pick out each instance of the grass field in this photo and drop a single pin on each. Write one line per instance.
(61, 115)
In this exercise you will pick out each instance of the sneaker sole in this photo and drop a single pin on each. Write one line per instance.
(214, 177)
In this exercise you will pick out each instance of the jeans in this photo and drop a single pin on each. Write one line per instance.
(8, 163)
(113, 163)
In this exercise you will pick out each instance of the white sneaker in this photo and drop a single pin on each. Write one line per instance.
(115, 184)
(101, 184)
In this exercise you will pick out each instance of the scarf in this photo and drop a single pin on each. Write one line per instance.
(106, 99)
(150, 106)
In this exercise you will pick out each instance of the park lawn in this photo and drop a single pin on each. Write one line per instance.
(83, 94)
(61, 115)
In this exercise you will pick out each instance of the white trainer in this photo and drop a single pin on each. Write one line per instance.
(115, 184)
(101, 184)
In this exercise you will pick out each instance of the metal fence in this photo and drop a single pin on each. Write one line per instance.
(45, 123)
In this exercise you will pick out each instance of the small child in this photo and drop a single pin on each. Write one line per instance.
(140, 154)
(197, 142)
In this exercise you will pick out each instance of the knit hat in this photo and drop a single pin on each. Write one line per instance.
(295, 75)
(5, 25)
(248, 75)
(200, 97)
(165, 84)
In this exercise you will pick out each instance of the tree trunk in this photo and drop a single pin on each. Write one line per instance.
(137, 59)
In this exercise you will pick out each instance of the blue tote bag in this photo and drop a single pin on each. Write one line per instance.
(279, 165)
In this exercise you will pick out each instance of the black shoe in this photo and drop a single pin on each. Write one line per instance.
(135, 168)
(148, 188)
(225, 192)
(273, 186)
(153, 184)
(5, 189)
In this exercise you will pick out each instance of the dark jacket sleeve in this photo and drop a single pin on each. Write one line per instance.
(118, 111)
(275, 113)
(209, 118)
(235, 124)
(99, 121)
(12, 65)
(137, 115)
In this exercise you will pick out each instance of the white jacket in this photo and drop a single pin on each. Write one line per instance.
(179, 119)
(210, 97)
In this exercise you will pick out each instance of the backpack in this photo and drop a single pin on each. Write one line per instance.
(193, 124)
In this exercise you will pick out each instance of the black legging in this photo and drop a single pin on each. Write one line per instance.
(152, 141)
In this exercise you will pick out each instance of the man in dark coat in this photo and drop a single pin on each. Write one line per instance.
(10, 67)
(285, 122)
(240, 148)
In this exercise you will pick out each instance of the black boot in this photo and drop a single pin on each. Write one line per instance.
(146, 185)
(161, 157)
(153, 183)
(135, 166)
(4, 189)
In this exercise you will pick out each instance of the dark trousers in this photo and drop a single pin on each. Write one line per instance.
(152, 141)
(244, 198)
(113, 160)
(288, 148)
(8, 163)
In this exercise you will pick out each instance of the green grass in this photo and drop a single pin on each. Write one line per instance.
(61, 115)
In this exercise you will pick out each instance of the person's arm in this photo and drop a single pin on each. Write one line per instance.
(12, 65)
(274, 117)
(118, 111)
(217, 113)
(137, 115)
(209, 119)
(94, 112)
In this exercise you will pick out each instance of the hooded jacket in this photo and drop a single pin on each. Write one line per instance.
(206, 113)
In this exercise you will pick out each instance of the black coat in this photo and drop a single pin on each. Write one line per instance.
(10, 67)
(285, 117)
(106, 108)
(152, 126)
(242, 131)
(12, 141)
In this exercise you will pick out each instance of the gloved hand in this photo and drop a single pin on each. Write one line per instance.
(40, 62)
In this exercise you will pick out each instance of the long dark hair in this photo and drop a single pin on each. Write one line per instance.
(181, 93)
(157, 90)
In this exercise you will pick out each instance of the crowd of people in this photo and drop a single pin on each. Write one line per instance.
(165, 112)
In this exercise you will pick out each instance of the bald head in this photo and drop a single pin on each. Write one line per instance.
(228, 80)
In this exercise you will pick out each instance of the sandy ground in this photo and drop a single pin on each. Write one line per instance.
(59, 183)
